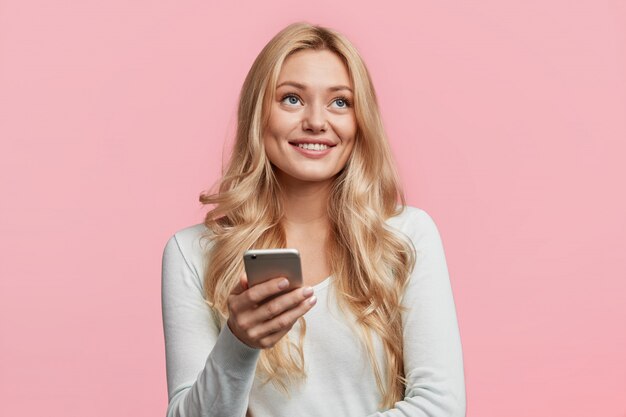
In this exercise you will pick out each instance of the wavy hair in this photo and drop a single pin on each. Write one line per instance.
(370, 263)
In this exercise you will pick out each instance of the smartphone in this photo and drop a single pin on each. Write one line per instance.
(264, 264)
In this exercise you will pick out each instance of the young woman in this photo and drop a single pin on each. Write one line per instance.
(373, 331)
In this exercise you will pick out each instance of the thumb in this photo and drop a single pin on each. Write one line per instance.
(242, 285)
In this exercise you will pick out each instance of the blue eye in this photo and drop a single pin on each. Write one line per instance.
(291, 99)
(342, 102)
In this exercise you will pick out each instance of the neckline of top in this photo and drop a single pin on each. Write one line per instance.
(322, 284)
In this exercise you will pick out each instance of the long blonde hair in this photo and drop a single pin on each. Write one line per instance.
(369, 262)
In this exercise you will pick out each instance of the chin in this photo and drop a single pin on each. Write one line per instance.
(310, 176)
(314, 178)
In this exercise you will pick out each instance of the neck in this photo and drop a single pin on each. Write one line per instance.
(305, 203)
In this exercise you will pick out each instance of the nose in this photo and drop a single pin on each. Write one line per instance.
(314, 119)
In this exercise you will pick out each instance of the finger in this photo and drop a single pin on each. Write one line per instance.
(246, 301)
(282, 303)
(243, 280)
(282, 323)
(241, 286)
(271, 339)
(258, 293)
(252, 320)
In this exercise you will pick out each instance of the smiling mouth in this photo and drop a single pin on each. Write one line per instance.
(312, 146)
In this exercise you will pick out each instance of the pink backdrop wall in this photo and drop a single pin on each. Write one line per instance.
(508, 121)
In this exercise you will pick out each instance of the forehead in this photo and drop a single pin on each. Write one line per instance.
(319, 68)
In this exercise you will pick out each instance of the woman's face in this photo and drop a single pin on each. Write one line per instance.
(312, 125)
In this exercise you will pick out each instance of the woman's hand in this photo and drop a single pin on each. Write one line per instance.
(258, 319)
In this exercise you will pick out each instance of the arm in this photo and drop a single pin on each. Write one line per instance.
(433, 359)
(209, 372)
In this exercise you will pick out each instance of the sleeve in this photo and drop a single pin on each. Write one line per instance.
(433, 358)
(209, 372)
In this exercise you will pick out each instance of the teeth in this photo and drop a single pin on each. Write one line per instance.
(313, 146)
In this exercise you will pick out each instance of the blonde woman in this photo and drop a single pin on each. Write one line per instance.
(373, 331)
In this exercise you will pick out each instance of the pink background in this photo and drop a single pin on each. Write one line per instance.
(508, 121)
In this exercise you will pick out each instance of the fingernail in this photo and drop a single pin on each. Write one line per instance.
(307, 291)
(313, 300)
(283, 284)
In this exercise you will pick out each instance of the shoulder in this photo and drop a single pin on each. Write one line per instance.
(415, 223)
(189, 244)
(192, 236)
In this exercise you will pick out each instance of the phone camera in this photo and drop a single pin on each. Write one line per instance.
(253, 256)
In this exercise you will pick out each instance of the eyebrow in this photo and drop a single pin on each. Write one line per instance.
(303, 87)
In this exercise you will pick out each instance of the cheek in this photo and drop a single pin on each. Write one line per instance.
(280, 122)
(270, 129)
(347, 129)
(273, 132)
(271, 148)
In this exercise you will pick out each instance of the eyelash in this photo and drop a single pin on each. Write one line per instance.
(345, 100)
(342, 98)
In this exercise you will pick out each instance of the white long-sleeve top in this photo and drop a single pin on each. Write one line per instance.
(212, 373)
